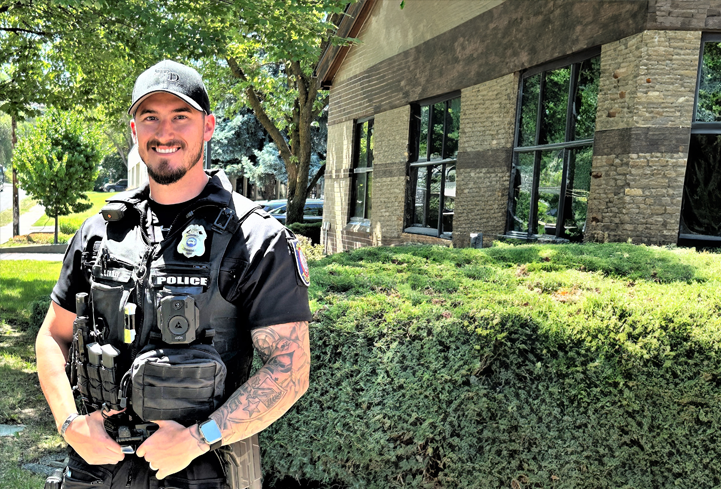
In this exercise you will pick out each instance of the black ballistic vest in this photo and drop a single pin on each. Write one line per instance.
(130, 267)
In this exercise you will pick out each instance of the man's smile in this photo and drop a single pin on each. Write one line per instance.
(163, 150)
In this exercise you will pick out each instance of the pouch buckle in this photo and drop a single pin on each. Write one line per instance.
(223, 219)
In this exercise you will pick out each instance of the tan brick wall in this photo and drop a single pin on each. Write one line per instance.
(618, 85)
(390, 158)
(636, 192)
(337, 182)
(646, 202)
(390, 30)
(648, 80)
(684, 14)
(486, 140)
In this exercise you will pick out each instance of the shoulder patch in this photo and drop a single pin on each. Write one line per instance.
(301, 265)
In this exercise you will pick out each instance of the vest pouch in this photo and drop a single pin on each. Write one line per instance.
(182, 384)
(108, 303)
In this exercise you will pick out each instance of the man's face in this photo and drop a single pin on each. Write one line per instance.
(170, 135)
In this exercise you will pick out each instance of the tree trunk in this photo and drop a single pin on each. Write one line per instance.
(16, 195)
(296, 152)
(56, 229)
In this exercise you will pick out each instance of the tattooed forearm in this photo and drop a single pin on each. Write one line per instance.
(267, 395)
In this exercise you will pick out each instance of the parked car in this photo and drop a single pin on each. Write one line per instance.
(312, 212)
(269, 205)
(118, 186)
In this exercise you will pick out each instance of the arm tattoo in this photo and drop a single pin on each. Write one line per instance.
(269, 393)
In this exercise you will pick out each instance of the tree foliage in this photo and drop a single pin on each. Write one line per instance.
(267, 62)
(57, 163)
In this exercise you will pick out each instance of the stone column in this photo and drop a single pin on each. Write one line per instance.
(488, 113)
(643, 127)
(337, 183)
(390, 159)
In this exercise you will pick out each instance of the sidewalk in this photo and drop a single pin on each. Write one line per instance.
(26, 223)
(26, 227)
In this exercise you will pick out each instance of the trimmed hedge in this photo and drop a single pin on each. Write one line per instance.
(308, 229)
(575, 366)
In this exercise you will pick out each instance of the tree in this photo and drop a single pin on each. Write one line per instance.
(265, 54)
(242, 147)
(112, 168)
(57, 163)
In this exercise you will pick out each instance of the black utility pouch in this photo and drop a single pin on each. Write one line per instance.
(181, 384)
(108, 304)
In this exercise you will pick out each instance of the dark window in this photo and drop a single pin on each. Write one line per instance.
(362, 171)
(551, 174)
(432, 191)
(701, 208)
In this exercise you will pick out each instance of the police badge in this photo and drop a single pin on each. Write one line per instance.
(193, 241)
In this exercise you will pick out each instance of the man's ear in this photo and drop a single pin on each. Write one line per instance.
(133, 132)
(208, 127)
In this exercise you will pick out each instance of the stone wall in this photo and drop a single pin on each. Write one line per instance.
(390, 159)
(484, 159)
(337, 184)
(684, 14)
(643, 123)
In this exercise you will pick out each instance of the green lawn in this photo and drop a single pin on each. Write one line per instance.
(70, 224)
(21, 401)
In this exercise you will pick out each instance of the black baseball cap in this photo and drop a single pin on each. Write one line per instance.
(174, 78)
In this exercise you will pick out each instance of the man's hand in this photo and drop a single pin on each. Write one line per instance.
(87, 435)
(172, 448)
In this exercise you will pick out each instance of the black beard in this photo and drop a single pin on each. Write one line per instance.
(169, 177)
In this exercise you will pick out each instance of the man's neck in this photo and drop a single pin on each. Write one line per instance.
(183, 190)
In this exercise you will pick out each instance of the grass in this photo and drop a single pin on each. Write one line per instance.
(21, 400)
(71, 223)
(6, 216)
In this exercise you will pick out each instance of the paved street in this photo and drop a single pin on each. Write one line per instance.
(6, 196)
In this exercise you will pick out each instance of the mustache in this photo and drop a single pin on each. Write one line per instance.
(173, 142)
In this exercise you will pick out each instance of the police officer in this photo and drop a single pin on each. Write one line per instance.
(258, 281)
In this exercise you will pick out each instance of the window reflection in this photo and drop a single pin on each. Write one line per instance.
(551, 181)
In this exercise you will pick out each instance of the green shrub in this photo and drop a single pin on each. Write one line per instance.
(308, 229)
(579, 366)
(67, 228)
(312, 252)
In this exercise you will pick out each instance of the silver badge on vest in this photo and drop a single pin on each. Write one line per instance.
(193, 241)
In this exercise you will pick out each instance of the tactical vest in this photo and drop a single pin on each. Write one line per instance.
(184, 334)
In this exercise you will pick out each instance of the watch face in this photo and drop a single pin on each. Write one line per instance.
(210, 432)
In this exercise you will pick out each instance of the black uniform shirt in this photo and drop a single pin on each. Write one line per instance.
(258, 273)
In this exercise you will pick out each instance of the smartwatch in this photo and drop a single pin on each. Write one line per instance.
(210, 433)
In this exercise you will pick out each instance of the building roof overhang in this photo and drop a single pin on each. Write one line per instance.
(332, 57)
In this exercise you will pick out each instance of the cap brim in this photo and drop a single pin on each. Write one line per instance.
(184, 98)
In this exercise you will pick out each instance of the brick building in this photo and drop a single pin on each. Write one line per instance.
(557, 120)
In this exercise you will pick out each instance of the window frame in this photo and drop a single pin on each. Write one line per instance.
(355, 171)
(447, 165)
(699, 128)
(575, 62)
